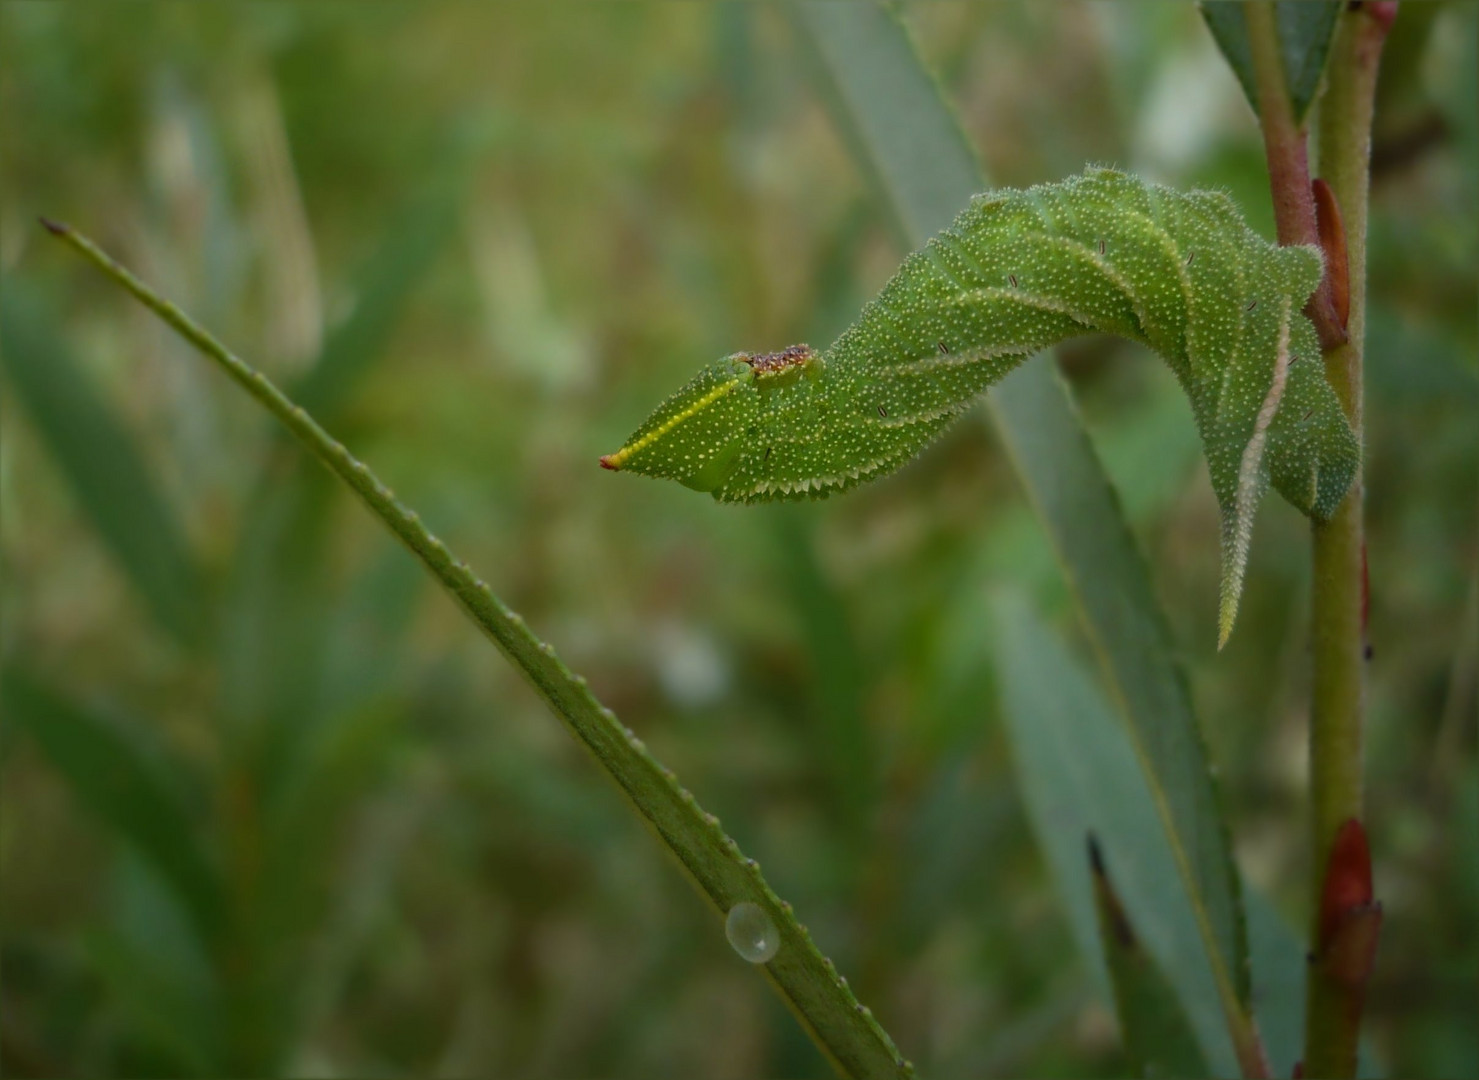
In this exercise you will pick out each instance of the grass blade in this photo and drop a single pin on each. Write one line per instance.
(113, 774)
(906, 133)
(1078, 774)
(1153, 1027)
(99, 458)
(841, 1027)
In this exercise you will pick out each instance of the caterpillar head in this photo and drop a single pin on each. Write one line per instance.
(698, 435)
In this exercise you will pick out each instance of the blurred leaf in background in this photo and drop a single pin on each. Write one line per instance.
(268, 807)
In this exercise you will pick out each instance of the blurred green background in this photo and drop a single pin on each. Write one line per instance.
(268, 804)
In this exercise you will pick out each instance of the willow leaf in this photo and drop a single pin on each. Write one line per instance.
(103, 463)
(1305, 29)
(844, 1030)
(1153, 1027)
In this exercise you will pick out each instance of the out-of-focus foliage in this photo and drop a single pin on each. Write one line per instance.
(487, 236)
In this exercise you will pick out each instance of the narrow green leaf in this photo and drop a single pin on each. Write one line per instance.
(844, 1030)
(1153, 1027)
(909, 138)
(1078, 774)
(169, 1014)
(114, 773)
(1306, 29)
(101, 461)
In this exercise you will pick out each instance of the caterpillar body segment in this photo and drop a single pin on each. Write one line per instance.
(1016, 272)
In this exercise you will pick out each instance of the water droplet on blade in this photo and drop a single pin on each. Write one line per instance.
(751, 932)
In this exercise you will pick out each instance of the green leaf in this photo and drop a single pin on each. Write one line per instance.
(841, 1027)
(1153, 1027)
(1080, 774)
(114, 772)
(98, 456)
(1306, 29)
(894, 112)
(166, 1011)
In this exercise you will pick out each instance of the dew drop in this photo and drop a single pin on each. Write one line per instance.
(751, 932)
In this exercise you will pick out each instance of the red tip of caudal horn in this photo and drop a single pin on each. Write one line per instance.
(608, 461)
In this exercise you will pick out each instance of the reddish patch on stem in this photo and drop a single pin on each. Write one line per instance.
(1347, 879)
(1332, 239)
(1350, 920)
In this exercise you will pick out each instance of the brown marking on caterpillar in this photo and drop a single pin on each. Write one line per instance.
(1190, 256)
(1013, 279)
(1101, 245)
(1251, 305)
(765, 365)
(1306, 415)
(768, 449)
(882, 411)
(941, 346)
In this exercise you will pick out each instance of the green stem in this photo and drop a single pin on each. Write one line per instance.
(1288, 161)
(845, 1031)
(1332, 1018)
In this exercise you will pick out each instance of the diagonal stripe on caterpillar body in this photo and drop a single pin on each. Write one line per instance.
(1018, 271)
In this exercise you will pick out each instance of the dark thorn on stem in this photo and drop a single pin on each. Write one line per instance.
(56, 228)
(1368, 652)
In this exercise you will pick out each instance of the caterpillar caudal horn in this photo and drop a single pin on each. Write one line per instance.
(1016, 272)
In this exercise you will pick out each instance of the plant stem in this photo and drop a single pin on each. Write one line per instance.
(1338, 608)
(1288, 161)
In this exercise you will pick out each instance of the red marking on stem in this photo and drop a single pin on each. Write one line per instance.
(1383, 11)
(1332, 240)
(1347, 879)
(1350, 920)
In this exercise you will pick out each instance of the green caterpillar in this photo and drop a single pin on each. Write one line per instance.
(1016, 272)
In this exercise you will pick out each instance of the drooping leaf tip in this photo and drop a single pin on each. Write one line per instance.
(1227, 614)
